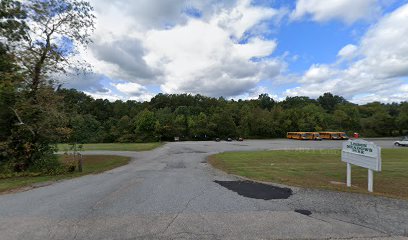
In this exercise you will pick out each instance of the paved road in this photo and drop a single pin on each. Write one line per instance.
(170, 193)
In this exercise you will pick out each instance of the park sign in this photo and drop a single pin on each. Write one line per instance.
(364, 154)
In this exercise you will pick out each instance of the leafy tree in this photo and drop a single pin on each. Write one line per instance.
(223, 124)
(200, 128)
(51, 26)
(12, 28)
(266, 102)
(402, 119)
(56, 29)
(12, 21)
(296, 102)
(146, 125)
(85, 129)
(329, 101)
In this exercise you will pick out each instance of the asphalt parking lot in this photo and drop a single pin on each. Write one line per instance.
(172, 193)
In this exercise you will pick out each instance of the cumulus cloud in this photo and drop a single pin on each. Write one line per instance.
(108, 95)
(317, 74)
(200, 57)
(255, 92)
(134, 91)
(347, 11)
(348, 51)
(378, 72)
(216, 54)
(243, 17)
(125, 57)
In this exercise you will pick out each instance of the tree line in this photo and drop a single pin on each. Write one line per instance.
(197, 117)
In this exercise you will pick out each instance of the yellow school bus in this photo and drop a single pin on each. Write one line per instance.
(334, 135)
(343, 135)
(304, 135)
(296, 135)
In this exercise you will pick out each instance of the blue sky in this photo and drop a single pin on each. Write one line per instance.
(240, 49)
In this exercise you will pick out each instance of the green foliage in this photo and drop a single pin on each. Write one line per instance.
(146, 125)
(31, 119)
(12, 24)
(204, 118)
(329, 101)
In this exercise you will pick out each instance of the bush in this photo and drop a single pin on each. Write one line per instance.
(48, 164)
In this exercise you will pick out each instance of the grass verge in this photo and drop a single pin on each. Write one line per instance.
(91, 165)
(317, 169)
(137, 147)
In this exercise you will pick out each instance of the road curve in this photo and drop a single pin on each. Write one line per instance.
(170, 193)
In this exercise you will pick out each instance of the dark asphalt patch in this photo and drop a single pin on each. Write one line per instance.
(256, 190)
(304, 212)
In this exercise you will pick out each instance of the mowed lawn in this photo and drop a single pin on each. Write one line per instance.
(318, 169)
(137, 147)
(91, 165)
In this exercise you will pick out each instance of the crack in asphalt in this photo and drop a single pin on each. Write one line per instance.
(94, 207)
(182, 210)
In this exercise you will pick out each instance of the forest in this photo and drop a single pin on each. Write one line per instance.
(196, 117)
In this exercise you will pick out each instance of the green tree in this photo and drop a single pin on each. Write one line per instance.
(146, 125)
(12, 28)
(57, 29)
(402, 119)
(266, 102)
(329, 101)
(51, 24)
(222, 124)
(12, 21)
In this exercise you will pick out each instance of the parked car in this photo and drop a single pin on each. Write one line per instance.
(402, 142)
(240, 139)
(228, 139)
(218, 140)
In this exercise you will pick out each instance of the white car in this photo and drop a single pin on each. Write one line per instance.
(403, 142)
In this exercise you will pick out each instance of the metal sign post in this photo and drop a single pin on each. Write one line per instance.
(364, 154)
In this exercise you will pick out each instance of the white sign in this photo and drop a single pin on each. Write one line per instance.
(364, 154)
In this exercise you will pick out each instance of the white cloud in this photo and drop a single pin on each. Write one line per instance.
(377, 73)
(194, 55)
(347, 11)
(132, 89)
(104, 95)
(243, 17)
(200, 57)
(317, 74)
(255, 92)
(348, 51)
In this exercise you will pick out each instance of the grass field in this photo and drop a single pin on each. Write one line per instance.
(91, 165)
(318, 169)
(137, 147)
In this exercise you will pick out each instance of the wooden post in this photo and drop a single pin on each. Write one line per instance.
(348, 175)
(80, 163)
